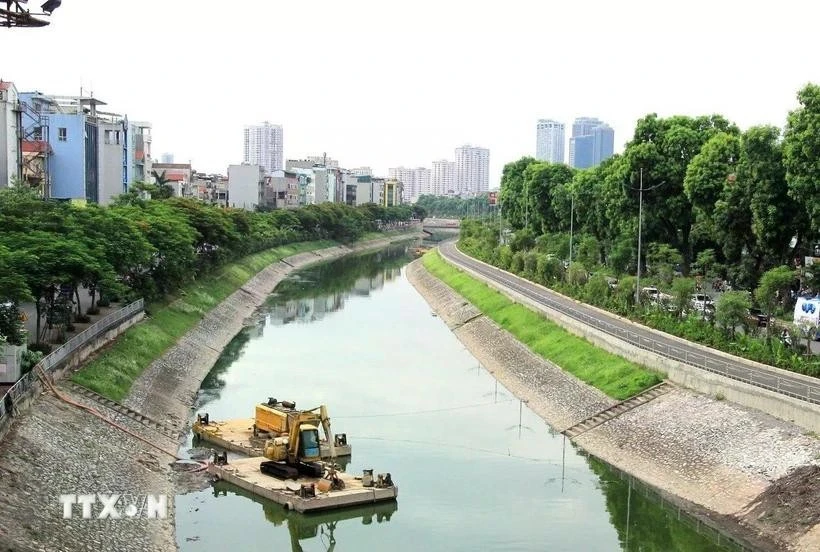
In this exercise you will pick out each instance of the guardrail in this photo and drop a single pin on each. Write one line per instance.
(59, 355)
(758, 377)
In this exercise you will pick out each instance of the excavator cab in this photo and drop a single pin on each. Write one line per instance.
(309, 444)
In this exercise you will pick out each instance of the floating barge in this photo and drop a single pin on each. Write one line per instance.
(245, 474)
(238, 436)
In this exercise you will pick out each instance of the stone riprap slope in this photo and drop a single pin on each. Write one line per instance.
(708, 452)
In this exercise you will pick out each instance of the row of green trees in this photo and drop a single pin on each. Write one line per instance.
(457, 207)
(736, 197)
(143, 248)
(584, 279)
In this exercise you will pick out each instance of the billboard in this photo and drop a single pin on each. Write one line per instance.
(492, 198)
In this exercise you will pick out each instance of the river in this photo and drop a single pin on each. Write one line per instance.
(476, 469)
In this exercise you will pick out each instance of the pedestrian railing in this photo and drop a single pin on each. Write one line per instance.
(24, 386)
(764, 378)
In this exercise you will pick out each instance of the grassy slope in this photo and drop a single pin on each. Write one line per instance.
(615, 376)
(115, 369)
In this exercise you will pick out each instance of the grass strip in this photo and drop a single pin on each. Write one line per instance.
(114, 371)
(615, 376)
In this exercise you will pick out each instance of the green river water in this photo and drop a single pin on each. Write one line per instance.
(476, 469)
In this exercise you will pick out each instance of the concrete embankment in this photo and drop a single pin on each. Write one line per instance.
(55, 448)
(717, 457)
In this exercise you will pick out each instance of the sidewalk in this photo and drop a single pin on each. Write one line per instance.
(85, 303)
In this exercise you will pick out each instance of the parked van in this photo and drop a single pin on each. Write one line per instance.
(807, 311)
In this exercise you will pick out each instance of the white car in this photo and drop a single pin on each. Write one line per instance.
(702, 302)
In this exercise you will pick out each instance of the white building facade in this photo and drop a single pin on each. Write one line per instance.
(264, 146)
(549, 141)
(9, 144)
(443, 177)
(472, 170)
(415, 182)
(244, 185)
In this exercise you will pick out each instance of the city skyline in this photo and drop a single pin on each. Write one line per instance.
(411, 124)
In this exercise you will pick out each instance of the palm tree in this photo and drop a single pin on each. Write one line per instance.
(164, 190)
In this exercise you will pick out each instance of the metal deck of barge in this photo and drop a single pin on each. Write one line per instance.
(245, 473)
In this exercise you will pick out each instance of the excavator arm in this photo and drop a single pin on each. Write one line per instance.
(324, 420)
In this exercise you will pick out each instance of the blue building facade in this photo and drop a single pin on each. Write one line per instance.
(603, 144)
(582, 148)
(93, 155)
(592, 142)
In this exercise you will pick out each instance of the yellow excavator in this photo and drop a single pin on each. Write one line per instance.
(277, 419)
(298, 453)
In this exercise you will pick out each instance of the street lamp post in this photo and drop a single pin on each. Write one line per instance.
(640, 225)
(571, 220)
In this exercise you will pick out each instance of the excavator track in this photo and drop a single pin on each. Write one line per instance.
(278, 470)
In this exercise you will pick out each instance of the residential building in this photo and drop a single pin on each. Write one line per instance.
(10, 154)
(179, 176)
(281, 190)
(78, 151)
(391, 193)
(324, 185)
(245, 185)
(80, 168)
(324, 161)
(359, 190)
(591, 143)
(549, 141)
(305, 182)
(362, 171)
(443, 177)
(472, 170)
(210, 188)
(264, 146)
(112, 159)
(292, 164)
(140, 164)
(415, 182)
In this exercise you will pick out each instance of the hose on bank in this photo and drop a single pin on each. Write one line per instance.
(47, 383)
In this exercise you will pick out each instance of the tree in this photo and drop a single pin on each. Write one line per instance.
(706, 262)
(773, 290)
(163, 189)
(513, 187)
(682, 290)
(732, 310)
(663, 148)
(775, 216)
(662, 261)
(801, 152)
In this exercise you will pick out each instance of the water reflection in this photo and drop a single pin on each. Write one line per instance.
(478, 469)
(321, 526)
(647, 522)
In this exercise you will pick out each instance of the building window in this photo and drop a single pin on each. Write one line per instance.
(38, 133)
(62, 134)
(112, 136)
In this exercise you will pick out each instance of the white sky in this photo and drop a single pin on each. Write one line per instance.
(384, 84)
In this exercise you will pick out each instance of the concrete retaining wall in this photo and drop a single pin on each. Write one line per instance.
(75, 359)
(802, 413)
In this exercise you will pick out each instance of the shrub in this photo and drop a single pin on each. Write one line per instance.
(30, 360)
(104, 301)
(93, 311)
(82, 319)
(44, 348)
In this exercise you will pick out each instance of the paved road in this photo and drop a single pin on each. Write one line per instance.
(792, 385)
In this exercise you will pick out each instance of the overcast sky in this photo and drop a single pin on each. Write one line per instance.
(384, 84)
